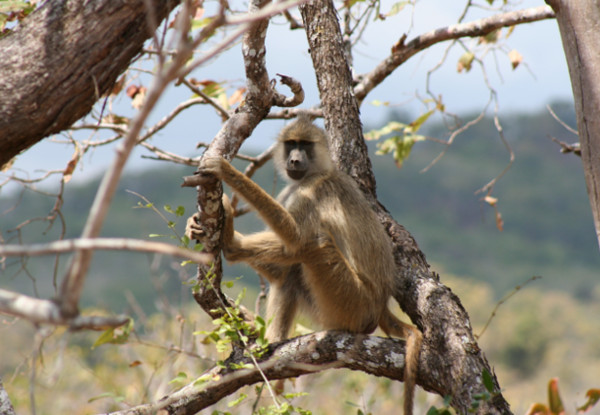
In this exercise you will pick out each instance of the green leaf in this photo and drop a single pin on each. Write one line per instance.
(392, 126)
(396, 8)
(378, 103)
(200, 23)
(202, 379)
(488, 381)
(416, 124)
(180, 378)
(118, 335)
(237, 401)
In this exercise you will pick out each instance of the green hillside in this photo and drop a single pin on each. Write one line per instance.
(548, 228)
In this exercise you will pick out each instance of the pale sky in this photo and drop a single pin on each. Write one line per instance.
(541, 79)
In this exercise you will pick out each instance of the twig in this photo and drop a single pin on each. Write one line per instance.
(208, 100)
(561, 122)
(565, 148)
(401, 52)
(502, 301)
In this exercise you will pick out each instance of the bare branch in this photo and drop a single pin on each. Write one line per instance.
(89, 43)
(110, 244)
(222, 111)
(401, 52)
(169, 117)
(168, 156)
(42, 311)
(566, 148)
(561, 122)
(281, 100)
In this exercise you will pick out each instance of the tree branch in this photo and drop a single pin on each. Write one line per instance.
(311, 353)
(451, 363)
(42, 311)
(401, 52)
(112, 244)
(72, 51)
(579, 26)
(235, 130)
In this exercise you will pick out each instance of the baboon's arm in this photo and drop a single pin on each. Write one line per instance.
(271, 211)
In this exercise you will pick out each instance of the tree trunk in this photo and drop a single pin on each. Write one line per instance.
(579, 24)
(451, 363)
(61, 59)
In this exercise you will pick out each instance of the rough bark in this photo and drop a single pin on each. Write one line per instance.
(302, 355)
(240, 125)
(6, 407)
(579, 24)
(451, 363)
(61, 59)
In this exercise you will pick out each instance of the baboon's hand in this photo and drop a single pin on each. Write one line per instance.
(193, 229)
(209, 168)
(212, 165)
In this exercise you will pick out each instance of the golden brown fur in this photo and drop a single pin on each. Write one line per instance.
(325, 251)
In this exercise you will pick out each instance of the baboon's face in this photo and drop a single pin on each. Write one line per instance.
(299, 156)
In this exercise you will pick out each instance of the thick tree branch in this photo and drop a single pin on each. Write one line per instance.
(340, 108)
(61, 59)
(291, 358)
(451, 363)
(401, 52)
(579, 24)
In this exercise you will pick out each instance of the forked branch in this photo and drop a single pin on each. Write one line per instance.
(402, 51)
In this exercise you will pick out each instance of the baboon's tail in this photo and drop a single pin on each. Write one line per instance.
(392, 326)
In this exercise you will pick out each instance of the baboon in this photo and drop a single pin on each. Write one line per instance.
(324, 252)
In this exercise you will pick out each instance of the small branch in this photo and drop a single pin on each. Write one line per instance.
(169, 117)
(168, 156)
(566, 148)
(561, 122)
(246, 21)
(294, 24)
(401, 52)
(208, 100)
(295, 86)
(116, 244)
(41, 311)
(502, 301)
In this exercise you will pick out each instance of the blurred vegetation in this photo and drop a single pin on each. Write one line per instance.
(548, 329)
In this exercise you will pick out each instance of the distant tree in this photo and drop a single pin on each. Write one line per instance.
(63, 58)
